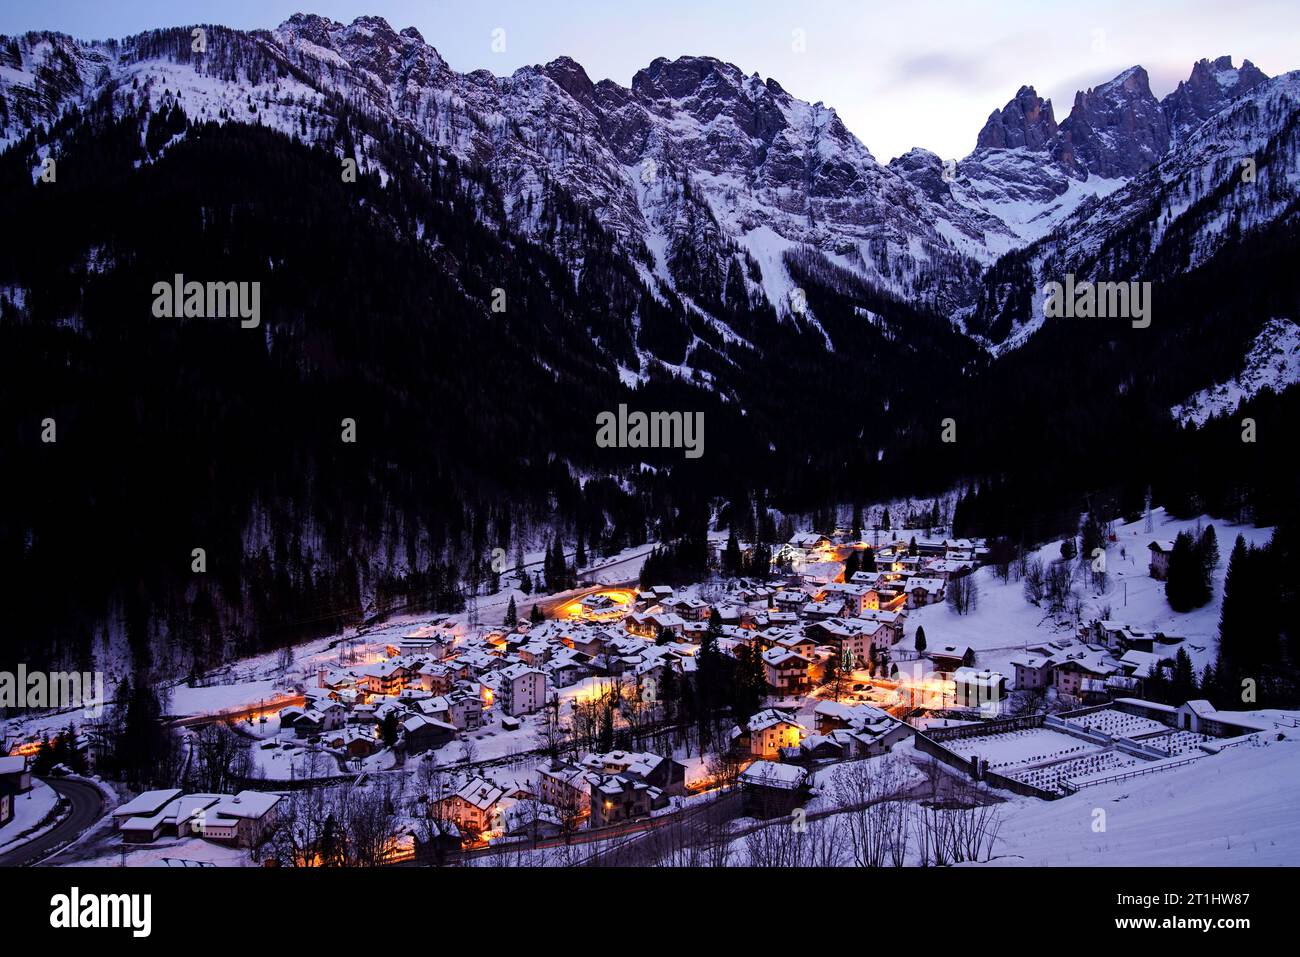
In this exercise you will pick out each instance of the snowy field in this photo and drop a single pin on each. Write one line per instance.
(1004, 624)
(1237, 808)
(30, 810)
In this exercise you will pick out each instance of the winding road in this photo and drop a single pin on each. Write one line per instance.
(87, 803)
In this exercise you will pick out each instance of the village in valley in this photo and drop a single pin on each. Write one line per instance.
(783, 709)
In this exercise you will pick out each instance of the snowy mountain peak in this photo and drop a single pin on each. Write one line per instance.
(1025, 122)
(1116, 128)
(1211, 87)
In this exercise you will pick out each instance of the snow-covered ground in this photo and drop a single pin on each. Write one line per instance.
(30, 810)
(1003, 623)
(186, 852)
(1236, 808)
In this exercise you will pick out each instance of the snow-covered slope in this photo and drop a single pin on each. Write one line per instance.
(1236, 808)
(1236, 173)
(1272, 362)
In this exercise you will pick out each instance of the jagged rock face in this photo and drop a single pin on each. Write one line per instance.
(47, 70)
(1170, 218)
(1116, 129)
(692, 165)
(1025, 123)
(1212, 86)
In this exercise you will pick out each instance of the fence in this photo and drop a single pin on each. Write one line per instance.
(1135, 773)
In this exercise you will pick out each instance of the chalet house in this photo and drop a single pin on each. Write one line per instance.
(850, 744)
(730, 614)
(891, 619)
(947, 568)
(1081, 673)
(666, 774)
(924, 591)
(420, 733)
(565, 670)
(472, 807)
(931, 547)
(15, 779)
(776, 619)
(1139, 664)
(790, 600)
(465, 710)
(805, 546)
(906, 565)
(863, 641)
(786, 672)
(435, 678)
(773, 790)
(565, 786)
(768, 732)
(859, 598)
(694, 631)
(835, 715)
(534, 653)
(1160, 551)
(977, 689)
(589, 642)
(385, 678)
(355, 742)
(1033, 672)
(688, 609)
(648, 624)
(600, 607)
(815, 574)
(951, 657)
(800, 644)
(1118, 636)
(615, 798)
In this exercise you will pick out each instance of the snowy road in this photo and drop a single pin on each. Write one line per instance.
(87, 806)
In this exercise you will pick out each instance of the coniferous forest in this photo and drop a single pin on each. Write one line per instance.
(473, 427)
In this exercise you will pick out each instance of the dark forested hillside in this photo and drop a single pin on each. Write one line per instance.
(471, 358)
(376, 306)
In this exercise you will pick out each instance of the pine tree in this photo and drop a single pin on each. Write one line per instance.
(535, 616)
(1183, 684)
(852, 565)
(1207, 552)
(1234, 615)
(512, 614)
(731, 557)
(920, 638)
(1185, 584)
(521, 572)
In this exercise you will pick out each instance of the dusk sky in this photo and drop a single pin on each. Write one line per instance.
(901, 74)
